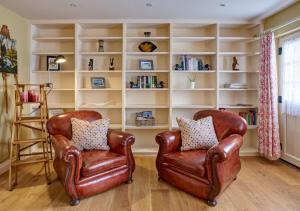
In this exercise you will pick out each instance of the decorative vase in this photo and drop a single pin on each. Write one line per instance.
(193, 84)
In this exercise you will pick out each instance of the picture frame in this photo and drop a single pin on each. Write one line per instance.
(8, 52)
(146, 64)
(97, 82)
(51, 64)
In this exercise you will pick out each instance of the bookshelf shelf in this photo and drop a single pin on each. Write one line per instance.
(213, 43)
(147, 89)
(86, 38)
(101, 53)
(155, 127)
(193, 71)
(228, 89)
(193, 38)
(195, 89)
(53, 53)
(146, 106)
(99, 71)
(195, 53)
(194, 106)
(147, 71)
(147, 53)
(147, 38)
(238, 71)
(53, 72)
(99, 90)
(53, 38)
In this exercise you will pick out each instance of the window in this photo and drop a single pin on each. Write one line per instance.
(290, 70)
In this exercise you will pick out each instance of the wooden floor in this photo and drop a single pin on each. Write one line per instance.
(261, 185)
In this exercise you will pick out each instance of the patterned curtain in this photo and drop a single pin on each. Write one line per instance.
(268, 128)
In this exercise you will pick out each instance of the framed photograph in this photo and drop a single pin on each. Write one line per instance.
(146, 64)
(51, 64)
(98, 82)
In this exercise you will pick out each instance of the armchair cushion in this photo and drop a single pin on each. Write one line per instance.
(197, 134)
(90, 135)
(96, 161)
(192, 162)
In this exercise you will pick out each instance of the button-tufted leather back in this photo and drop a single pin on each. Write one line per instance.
(225, 123)
(61, 124)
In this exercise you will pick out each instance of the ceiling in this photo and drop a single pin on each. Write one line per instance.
(238, 10)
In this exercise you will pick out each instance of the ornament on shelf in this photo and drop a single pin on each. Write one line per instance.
(91, 64)
(207, 67)
(178, 67)
(192, 82)
(147, 46)
(235, 64)
(100, 45)
(111, 66)
(200, 64)
(160, 85)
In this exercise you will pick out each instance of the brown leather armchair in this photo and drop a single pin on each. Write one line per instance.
(203, 173)
(85, 173)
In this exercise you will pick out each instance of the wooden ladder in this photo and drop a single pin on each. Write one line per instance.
(20, 149)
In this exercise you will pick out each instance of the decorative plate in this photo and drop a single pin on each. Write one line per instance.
(147, 46)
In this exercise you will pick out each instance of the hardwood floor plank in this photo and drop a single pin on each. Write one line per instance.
(261, 185)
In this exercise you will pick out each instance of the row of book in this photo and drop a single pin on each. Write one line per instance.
(146, 81)
(236, 86)
(250, 117)
(192, 63)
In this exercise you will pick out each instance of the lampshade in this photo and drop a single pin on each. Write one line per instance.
(60, 59)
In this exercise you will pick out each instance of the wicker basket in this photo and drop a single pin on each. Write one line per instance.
(145, 122)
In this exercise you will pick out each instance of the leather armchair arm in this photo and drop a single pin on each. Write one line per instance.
(119, 141)
(225, 148)
(169, 141)
(67, 152)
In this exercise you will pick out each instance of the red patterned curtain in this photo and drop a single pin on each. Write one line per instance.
(268, 128)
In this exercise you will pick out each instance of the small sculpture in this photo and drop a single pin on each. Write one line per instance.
(111, 66)
(207, 67)
(235, 64)
(131, 84)
(160, 85)
(91, 64)
(100, 46)
(200, 64)
(178, 67)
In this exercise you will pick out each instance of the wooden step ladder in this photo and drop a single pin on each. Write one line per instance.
(20, 149)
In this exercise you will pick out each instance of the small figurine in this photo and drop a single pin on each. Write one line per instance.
(235, 64)
(200, 64)
(206, 67)
(111, 66)
(100, 46)
(91, 64)
(160, 85)
(177, 67)
(131, 84)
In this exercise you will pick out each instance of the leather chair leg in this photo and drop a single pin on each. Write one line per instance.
(212, 203)
(74, 202)
(129, 181)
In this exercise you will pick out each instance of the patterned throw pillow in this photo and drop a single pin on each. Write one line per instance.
(90, 135)
(198, 134)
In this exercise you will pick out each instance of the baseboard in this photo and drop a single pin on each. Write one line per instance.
(4, 166)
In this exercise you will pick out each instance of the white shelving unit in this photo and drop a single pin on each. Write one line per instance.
(214, 43)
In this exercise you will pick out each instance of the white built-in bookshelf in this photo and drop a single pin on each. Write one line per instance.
(214, 43)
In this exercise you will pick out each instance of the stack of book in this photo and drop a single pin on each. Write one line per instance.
(236, 86)
(250, 117)
(147, 81)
